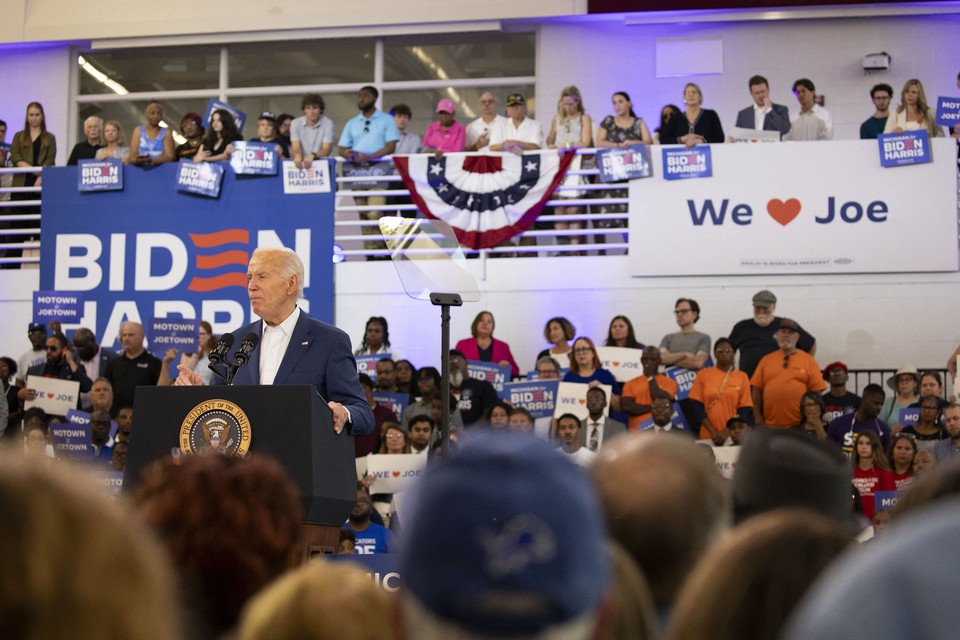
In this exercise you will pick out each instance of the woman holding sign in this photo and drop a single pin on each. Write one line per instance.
(622, 129)
(585, 368)
(217, 144)
(913, 114)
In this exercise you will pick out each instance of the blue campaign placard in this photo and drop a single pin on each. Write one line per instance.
(532, 375)
(900, 149)
(948, 111)
(382, 568)
(624, 163)
(67, 307)
(182, 334)
(100, 175)
(254, 158)
(200, 178)
(909, 416)
(677, 419)
(684, 379)
(679, 164)
(4, 153)
(368, 364)
(396, 402)
(71, 440)
(82, 419)
(885, 500)
(489, 371)
(539, 397)
(238, 116)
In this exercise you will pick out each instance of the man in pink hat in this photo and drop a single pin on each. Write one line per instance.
(446, 135)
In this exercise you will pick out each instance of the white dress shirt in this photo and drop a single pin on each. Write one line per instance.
(273, 344)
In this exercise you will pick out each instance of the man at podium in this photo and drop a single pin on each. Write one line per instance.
(293, 347)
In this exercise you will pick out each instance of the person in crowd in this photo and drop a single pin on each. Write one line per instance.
(520, 421)
(782, 377)
(101, 396)
(720, 393)
(124, 423)
(92, 141)
(59, 364)
(871, 472)
(928, 429)
(639, 393)
(664, 541)
(376, 338)
(843, 430)
(585, 368)
(348, 543)
(478, 131)
(114, 142)
(905, 384)
(597, 427)
(903, 451)
(422, 428)
(924, 461)
(516, 133)
(218, 142)
(668, 113)
(151, 142)
(697, 126)
(371, 538)
(812, 416)
(756, 337)
(620, 334)
(624, 128)
(445, 135)
(737, 427)
(913, 113)
(34, 146)
(36, 354)
(763, 114)
(880, 95)
(484, 347)
(558, 332)
(409, 141)
(311, 135)
(77, 562)
(36, 441)
(570, 128)
(200, 360)
(100, 437)
(134, 367)
(498, 416)
(191, 127)
(570, 435)
(8, 371)
(812, 122)
(367, 136)
(931, 384)
(474, 397)
(406, 378)
(526, 545)
(687, 348)
(230, 525)
(745, 587)
(837, 399)
(284, 123)
(428, 390)
(366, 444)
(394, 437)
(321, 600)
(386, 375)
(267, 133)
(661, 416)
(949, 448)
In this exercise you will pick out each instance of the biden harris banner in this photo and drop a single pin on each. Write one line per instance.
(100, 175)
(758, 215)
(899, 149)
(151, 252)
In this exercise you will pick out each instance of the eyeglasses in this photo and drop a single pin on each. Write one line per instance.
(394, 436)
(682, 311)
(583, 350)
(908, 436)
(366, 127)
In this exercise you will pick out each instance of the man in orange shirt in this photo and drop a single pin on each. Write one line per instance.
(638, 393)
(781, 379)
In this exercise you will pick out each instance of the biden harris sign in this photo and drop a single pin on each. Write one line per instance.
(150, 251)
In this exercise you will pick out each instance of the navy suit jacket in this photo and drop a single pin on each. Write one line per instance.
(778, 119)
(318, 354)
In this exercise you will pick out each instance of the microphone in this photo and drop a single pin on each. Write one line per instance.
(220, 351)
(247, 346)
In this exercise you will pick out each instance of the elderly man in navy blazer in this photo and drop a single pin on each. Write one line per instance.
(294, 348)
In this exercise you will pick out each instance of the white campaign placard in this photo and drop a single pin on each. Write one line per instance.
(726, 457)
(394, 472)
(740, 134)
(622, 362)
(53, 395)
(316, 179)
(572, 398)
(760, 214)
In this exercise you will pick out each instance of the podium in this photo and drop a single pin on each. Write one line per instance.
(290, 423)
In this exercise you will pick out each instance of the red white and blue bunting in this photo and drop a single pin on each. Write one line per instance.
(485, 198)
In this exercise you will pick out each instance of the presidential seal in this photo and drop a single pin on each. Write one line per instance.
(215, 426)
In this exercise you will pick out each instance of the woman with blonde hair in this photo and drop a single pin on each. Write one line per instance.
(698, 126)
(913, 114)
(115, 140)
(570, 128)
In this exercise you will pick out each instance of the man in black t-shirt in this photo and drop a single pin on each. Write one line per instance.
(755, 337)
(474, 396)
(135, 367)
(87, 149)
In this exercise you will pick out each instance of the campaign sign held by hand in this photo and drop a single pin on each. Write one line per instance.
(254, 158)
(316, 179)
(695, 162)
(239, 117)
(623, 362)
(396, 402)
(677, 419)
(899, 149)
(624, 163)
(368, 364)
(100, 175)
(885, 500)
(909, 416)
(539, 397)
(71, 440)
(54, 396)
(572, 398)
(948, 111)
(202, 178)
(173, 333)
(393, 473)
(684, 379)
(57, 305)
(489, 371)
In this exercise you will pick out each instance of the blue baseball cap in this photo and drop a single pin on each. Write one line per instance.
(505, 537)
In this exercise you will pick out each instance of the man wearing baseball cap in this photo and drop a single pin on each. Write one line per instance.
(781, 379)
(267, 133)
(37, 354)
(838, 400)
(446, 135)
(755, 337)
(517, 133)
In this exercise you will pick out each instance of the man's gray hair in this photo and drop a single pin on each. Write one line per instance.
(287, 259)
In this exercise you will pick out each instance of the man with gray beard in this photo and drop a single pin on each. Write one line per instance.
(756, 337)
(474, 397)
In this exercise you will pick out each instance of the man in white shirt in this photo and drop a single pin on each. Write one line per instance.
(813, 122)
(516, 133)
(568, 430)
(478, 131)
(598, 428)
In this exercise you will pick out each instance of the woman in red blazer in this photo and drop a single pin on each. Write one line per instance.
(484, 347)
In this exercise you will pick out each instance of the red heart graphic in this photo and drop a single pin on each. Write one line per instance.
(396, 474)
(784, 212)
(50, 395)
(582, 401)
(616, 364)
